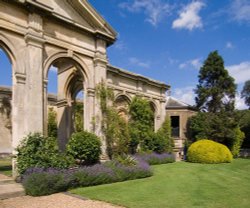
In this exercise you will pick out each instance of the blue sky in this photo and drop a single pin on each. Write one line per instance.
(168, 40)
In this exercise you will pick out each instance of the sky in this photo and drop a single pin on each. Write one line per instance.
(168, 40)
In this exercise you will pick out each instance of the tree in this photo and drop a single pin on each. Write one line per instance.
(245, 93)
(222, 127)
(216, 89)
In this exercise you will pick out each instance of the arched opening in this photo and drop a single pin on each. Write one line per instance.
(122, 105)
(78, 111)
(68, 81)
(5, 102)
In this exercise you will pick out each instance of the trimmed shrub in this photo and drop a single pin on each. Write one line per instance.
(35, 150)
(207, 151)
(85, 147)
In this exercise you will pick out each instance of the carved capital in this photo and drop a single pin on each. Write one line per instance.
(62, 103)
(20, 78)
(34, 40)
(91, 92)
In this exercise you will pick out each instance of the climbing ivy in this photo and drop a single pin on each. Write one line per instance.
(114, 127)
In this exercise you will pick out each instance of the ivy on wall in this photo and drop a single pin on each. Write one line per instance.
(114, 127)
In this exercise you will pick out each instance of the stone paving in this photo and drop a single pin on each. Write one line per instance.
(59, 200)
(9, 188)
(12, 196)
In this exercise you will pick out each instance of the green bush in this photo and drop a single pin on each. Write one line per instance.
(239, 137)
(85, 147)
(222, 127)
(35, 150)
(161, 141)
(207, 151)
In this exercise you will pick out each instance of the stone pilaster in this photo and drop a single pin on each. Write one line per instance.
(34, 82)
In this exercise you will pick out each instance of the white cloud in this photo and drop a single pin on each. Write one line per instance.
(185, 94)
(240, 72)
(239, 103)
(194, 63)
(240, 10)
(189, 17)
(155, 10)
(229, 45)
(137, 62)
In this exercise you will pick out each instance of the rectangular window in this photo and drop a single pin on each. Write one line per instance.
(175, 125)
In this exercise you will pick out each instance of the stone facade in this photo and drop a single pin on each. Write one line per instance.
(73, 37)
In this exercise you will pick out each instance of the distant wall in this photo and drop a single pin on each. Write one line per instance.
(5, 122)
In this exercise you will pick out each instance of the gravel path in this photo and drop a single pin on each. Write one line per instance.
(59, 200)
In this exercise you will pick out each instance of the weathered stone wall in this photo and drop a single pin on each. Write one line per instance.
(128, 84)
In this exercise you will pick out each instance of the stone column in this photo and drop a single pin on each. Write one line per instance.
(45, 107)
(18, 109)
(64, 119)
(100, 74)
(34, 81)
(89, 110)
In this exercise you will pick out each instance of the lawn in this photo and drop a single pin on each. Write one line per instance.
(5, 166)
(181, 184)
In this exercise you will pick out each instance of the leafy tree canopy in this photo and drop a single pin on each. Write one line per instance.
(216, 89)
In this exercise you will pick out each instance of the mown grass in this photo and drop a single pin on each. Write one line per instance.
(5, 166)
(181, 184)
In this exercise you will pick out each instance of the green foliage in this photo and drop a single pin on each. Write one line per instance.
(141, 124)
(221, 127)
(216, 89)
(164, 135)
(36, 150)
(126, 160)
(238, 140)
(207, 151)
(116, 132)
(245, 93)
(244, 123)
(78, 117)
(114, 127)
(52, 123)
(85, 147)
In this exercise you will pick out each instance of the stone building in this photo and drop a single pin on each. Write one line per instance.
(73, 37)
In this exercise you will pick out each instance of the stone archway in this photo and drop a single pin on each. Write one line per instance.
(5, 100)
(72, 77)
(122, 105)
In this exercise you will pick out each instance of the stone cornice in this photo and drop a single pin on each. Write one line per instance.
(137, 77)
(101, 29)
